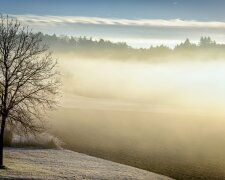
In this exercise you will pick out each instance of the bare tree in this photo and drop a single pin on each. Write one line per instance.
(28, 78)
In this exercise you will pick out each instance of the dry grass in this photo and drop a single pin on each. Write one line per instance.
(65, 164)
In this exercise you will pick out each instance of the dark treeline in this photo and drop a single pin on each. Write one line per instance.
(206, 49)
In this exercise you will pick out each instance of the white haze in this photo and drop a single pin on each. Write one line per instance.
(195, 87)
(165, 116)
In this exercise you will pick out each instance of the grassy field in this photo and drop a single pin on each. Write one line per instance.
(176, 166)
(179, 146)
(65, 164)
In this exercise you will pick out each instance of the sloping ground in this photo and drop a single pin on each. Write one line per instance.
(65, 164)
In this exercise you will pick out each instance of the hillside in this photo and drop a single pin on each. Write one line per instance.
(65, 164)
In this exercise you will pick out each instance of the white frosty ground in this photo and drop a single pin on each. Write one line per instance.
(65, 164)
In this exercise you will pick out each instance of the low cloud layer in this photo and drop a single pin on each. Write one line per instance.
(122, 22)
(136, 32)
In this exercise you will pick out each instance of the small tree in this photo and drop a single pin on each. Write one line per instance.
(28, 79)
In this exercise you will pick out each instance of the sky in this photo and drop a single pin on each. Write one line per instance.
(140, 23)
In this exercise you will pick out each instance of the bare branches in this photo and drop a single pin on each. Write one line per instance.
(28, 75)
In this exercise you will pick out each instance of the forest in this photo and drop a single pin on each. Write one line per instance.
(205, 49)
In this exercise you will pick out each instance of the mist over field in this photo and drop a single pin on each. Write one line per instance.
(164, 117)
(142, 83)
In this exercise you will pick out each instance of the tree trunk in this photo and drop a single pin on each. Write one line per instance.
(1, 141)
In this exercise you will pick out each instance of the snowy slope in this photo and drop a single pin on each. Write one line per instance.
(65, 164)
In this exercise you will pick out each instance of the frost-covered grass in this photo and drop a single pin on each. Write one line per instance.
(65, 164)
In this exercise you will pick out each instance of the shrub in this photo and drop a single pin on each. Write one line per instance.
(44, 140)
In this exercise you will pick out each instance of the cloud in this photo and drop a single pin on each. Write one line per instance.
(54, 20)
(135, 32)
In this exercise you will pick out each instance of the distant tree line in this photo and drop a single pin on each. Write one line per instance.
(72, 43)
(206, 49)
